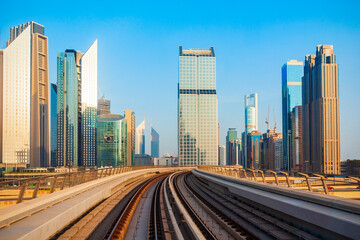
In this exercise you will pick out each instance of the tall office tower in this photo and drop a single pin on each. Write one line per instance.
(25, 107)
(111, 137)
(231, 147)
(130, 149)
(197, 108)
(297, 163)
(89, 98)
(222, 155)
(53, 123)
(268, 148)
(251, 120)
(103, 106)
(140, 138)
(251, 112)
(278, 154)
(321, 117)
(67, 109)
(254, 149)
(291, 74)
(155, 143)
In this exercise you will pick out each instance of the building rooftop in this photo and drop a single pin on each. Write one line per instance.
(197, 52)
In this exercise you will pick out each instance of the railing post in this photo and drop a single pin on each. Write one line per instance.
(36, 189)
(275, 175)
(253, 173)
(53, 185)
(21, 193)
(326, 190)
(287, 178)
(262, 175)
(63, 183)
(307, 180)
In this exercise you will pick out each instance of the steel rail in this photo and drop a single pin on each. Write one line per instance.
(205, 231)
(122, 223)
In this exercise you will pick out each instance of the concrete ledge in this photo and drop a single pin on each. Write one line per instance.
(53, 212)
(295, 204)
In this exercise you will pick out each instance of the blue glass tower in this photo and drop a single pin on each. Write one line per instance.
(292, 73)
(53, 125)
(67, 109)
(155, 143)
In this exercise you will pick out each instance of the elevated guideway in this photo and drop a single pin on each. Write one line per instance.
(43, 217)
(322, 215)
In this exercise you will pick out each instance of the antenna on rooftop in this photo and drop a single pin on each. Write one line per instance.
(274, 121)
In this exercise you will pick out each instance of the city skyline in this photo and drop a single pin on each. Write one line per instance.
(228, 77)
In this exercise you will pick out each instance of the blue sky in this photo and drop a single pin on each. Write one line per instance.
(138, 53)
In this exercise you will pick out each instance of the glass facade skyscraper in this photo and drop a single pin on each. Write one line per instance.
(53, 123)
(89, 100)
(231, 147)
(67, 109)
(197, 108)
(140, 138)
(291, 73)
(251, 112)
(155, 143)
(111, 140)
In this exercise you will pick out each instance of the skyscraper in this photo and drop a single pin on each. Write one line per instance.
(155, 143)
(251, 112)
(89, 83)
(140, 138)
(77, 107)
(251, 123)
(67, 109)
(291, 73)
(231, 147)
(321, 118)
(254, 149)
(130, 138)
(24, 87)
(197, 108)
(53, 123)
(297, 163)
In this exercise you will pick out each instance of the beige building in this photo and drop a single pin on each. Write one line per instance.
(130, 120)
(321, 117)
(24, 87)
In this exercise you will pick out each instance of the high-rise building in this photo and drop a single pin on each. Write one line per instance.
(231, 147)
(25, 107)
(89, 83)
(77, 107)
(254, 149)
(268, 148)
(278, 154)
(291, 73)
(53, 123)
(155, 143)
(297, 163)
(197, 108)
(140, 138)
(67, 109)
(222, 155)
(111, 137)
(251, 112)
(103, 106)
(130, 142)
(321, 117)
(251, 123)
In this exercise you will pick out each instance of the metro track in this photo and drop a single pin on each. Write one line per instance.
(182, 206)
